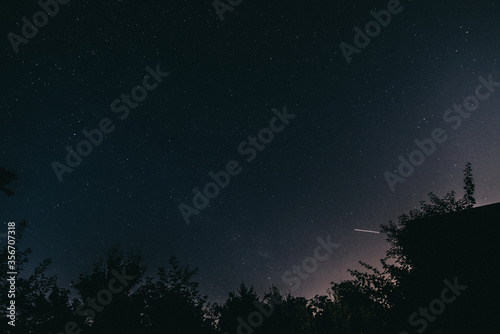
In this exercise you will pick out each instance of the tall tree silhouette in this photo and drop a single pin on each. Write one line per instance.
(469, 187)
(6, 178)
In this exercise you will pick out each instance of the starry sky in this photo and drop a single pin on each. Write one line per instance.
(322, 175)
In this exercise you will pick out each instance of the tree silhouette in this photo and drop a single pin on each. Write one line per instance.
(469, 187)
(294, 315)
(89, 286)
(173, 304)
(405, 281)
(238, 306)
(39, 303)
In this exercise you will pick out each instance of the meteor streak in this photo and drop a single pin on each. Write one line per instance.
(368, 231)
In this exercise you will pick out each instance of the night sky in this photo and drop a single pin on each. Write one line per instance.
(321, 175)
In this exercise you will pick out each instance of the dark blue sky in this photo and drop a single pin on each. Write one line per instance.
(322, 175)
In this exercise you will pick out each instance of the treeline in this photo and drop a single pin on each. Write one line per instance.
(405, 296)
